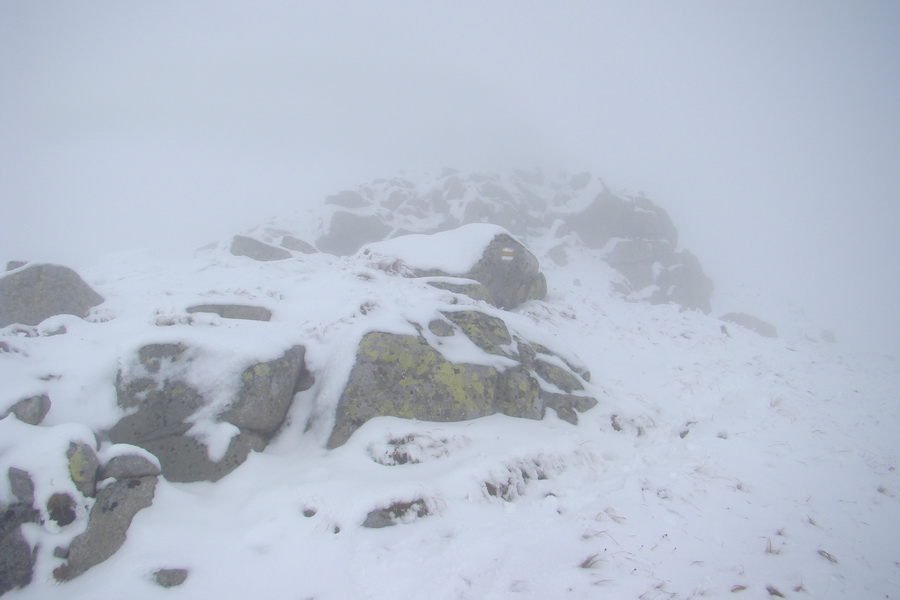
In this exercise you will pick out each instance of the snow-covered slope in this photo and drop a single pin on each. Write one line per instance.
(717, 462)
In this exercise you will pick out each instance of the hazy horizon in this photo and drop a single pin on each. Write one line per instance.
(769, 131)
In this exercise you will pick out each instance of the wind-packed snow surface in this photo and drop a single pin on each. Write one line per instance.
(717, 464)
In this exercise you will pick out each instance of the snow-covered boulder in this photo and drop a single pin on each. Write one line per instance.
(463, 365)
(488, 254)
(171, 418)
(34, 292)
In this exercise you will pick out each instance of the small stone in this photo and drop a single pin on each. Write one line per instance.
(83, 467)
(20, 485)
(168, 578)
(61, 508)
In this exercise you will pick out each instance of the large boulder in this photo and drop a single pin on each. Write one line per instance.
(162, 404)
(242, 245)
(409, 376)
(487, 254)
(30, 294)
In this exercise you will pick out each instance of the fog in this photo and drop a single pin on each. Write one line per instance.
(770, 131)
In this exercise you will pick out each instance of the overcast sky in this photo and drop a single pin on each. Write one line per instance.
(770, 131)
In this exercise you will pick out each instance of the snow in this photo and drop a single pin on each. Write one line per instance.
(713, 463)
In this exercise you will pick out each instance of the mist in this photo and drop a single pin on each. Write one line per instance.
(768, 130)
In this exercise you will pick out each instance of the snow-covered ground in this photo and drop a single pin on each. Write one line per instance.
(717, 464)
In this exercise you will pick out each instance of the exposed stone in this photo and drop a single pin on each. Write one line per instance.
(403, 376)
(297, 245)
(347, 232)
(168, 578)
(185, 459)
(21, 485)
(61, 508)
(399, 512)
(164, 404)
(126, 466)
(752, 323)
(37, 292)
(234, 311)
(266, 392)
(83, 467)
(109, 520)
(30, 410)
(16, 555)
(241, 245)
(510, 272)
(15, 264)
(610, 216)
(473, 290)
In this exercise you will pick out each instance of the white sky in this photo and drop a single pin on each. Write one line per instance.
(769, 130)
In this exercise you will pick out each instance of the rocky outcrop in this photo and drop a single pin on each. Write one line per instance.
(163, 403)
(641, 243)
(639, 237)
(30, 294)
(408, 376)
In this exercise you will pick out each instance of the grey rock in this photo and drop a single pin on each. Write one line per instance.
(404, 376)
(297, 245)
(347, 232)
(185, 459)
(398, 512)
(21, 485)
(61, 508)
(168, 578)
(30, 410)
(508, 271)
(234, 311)
(473, 290)
(610, 216)
(108, 523)
(242, 245)
(15, 264)
(16, 555)
(752, 323)
(37, 292)
(126, 466)
(266, 392)
(164, 404)
(83, 467)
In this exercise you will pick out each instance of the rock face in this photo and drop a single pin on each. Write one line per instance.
(640, 240)
(31, 294)
(407, 376)
(164, 403)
